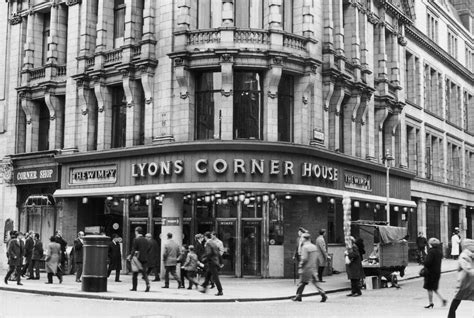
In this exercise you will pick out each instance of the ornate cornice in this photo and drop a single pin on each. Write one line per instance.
(15, 18)
(71, 3)
(431, 46)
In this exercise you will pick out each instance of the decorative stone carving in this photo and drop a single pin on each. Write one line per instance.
(227, 58)
(15, 18)
(73, 2)
(6, 170)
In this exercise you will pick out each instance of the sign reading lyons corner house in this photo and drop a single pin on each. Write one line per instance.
(237, 166)
(93, 175)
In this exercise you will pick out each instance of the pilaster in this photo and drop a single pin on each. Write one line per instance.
(172, 212)
(270, 99)
(227, 102)
(32, 122)
(463, 221)
(88, 117)
(421, 215)
(443, 223)
(104, 107)
(134, 111)
(56, 124)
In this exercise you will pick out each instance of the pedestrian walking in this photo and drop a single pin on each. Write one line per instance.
(170, 259)
(63, 244)
(432, 271)
(115, 257)
(53, 257)
(200, 250)
(154, 259)
(354, 268)
(181, 260)
(78, 254)
(308, 268)
(139, 257)
(15, 257)
(28, 267)
(38, 253)
(455, 242)
(191, 266)
(213, 260)
(361, 247)
(299, 244)
(421, 244)
(218, 242)
(465, 277)
(322, 255)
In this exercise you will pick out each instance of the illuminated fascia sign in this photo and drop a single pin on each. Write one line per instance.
(35, 175)
(93, 175)
(237, 166)
(357, 181)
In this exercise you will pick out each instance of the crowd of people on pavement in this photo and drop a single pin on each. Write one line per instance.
(200, 263)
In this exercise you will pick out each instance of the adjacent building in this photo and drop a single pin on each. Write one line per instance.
(245, 117)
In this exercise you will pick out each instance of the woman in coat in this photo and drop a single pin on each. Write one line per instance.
(354, 269)
(53, 257)
(432, 268)
(465, 277)
(115, 257)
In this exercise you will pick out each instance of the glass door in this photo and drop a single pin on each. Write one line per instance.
(251, 248)
(226, 232)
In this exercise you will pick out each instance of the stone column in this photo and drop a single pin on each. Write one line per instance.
(350, 124)
(134, 112)
(29, 49)
(274, 15)
(56, 124)
(71, 112)
(32, 122)
(443, 222)
(270, 99)
(463, 221)
(381, 57)
(172, 218)
(52, 55)
(104, 107)
(226, 110)
(421, 215)
(339, 34)
(147, 74)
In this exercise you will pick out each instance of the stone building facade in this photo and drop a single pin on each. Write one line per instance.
(247, 117)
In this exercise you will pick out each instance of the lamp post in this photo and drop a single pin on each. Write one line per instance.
(388, 158)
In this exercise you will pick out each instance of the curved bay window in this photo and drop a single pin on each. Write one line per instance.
(207, 95)
(248, 110)
(285, 108)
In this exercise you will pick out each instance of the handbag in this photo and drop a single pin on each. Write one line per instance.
(347, 260)
(423, 272)
(136, 264)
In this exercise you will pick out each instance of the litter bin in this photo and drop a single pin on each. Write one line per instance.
(94, 273)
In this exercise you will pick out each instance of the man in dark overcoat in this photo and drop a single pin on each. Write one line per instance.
(78, 255)
(28, 267)
(15, 257)
(62, 242)
(115, 257)
(154, 261)
(141, 250)
(37, 255)
(213, 261)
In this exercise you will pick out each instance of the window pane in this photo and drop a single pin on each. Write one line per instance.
(285, 108)
(207, 95)
(204, 14)
(242, 13)
(46, 28)
(247, 105)
(119, 118)
(287, 15)
(119, 25)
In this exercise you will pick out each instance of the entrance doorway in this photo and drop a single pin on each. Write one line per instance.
(226, 232)
(251, 248)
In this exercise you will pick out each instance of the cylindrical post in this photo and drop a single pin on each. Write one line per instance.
(94, 277)
(388, 191)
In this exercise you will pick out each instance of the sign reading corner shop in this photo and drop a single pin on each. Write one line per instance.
(43, 174)
(93, 175)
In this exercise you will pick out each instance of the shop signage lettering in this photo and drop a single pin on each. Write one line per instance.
(36, 175)
(170, 221)
(357, 181)
(93, 175)
(237, 166)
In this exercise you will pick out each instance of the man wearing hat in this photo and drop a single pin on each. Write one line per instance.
(297, 256)
(308, 268)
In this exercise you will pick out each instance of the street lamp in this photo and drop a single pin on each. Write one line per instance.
(388, 158)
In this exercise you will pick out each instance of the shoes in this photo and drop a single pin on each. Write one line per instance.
(165, 286)
(445, 302)
(30, 278)
(202, 289)
(358, 294)
(48, 283)
(350, 295)
(6, 281)
(220, 294)
(212, 286)
(156, 280)
(190, 287)
(322, 281)
(180, 286)
(118, 280)
(61, 280)
(429, 306)
(324, 298)
(78, 280)
(19, 284)
(147, 289)
(296, 298)
(133, 289)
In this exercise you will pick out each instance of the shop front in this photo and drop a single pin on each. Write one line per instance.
(254, 195)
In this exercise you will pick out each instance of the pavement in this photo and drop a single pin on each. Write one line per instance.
(235, 289)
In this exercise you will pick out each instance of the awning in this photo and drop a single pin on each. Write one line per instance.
(226, 186)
